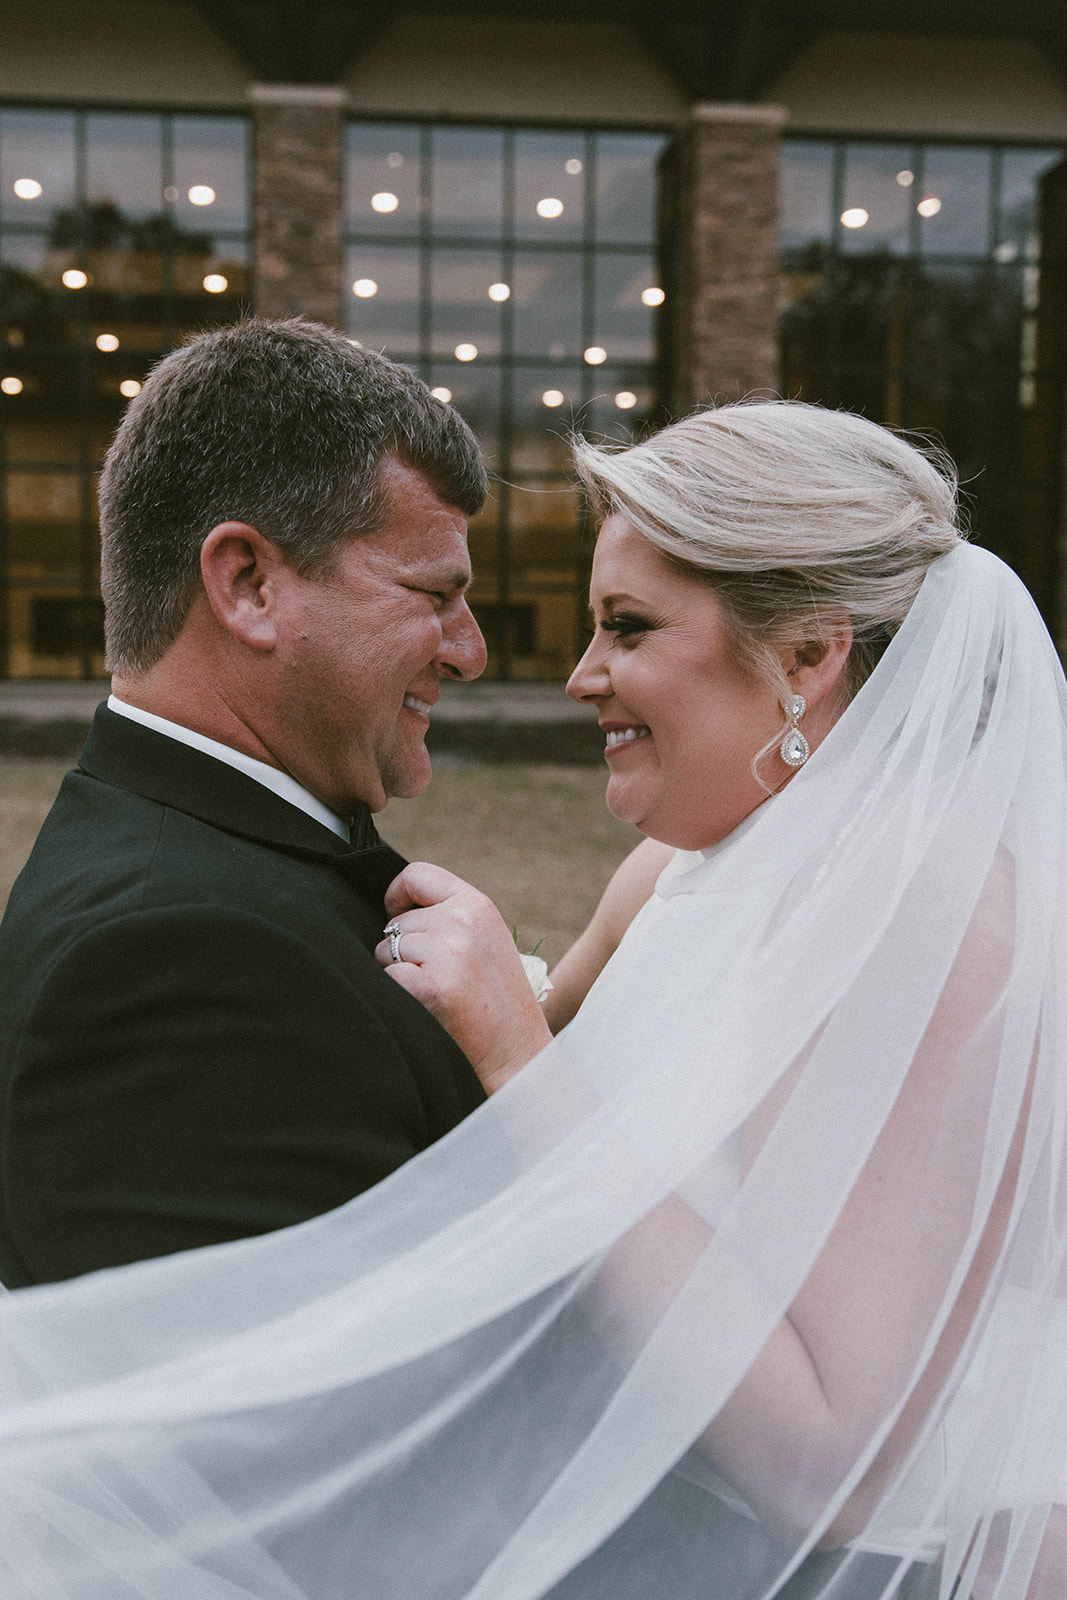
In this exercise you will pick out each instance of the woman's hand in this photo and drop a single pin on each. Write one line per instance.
(458, 957)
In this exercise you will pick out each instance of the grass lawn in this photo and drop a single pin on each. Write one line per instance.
(539, 839)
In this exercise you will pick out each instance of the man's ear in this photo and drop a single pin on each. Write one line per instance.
(815, 668)
(241, 572)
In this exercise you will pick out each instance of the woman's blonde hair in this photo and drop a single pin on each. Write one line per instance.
(796, 516)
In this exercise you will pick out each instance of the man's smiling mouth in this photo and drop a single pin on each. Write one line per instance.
(414, 704)
(617, 736)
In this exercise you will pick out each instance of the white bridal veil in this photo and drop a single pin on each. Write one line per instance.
(752, 1283)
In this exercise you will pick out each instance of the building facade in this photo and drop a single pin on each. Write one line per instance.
(559, 221)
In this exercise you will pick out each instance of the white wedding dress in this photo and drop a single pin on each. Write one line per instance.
(752, 1283)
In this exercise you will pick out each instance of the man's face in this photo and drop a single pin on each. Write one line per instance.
(364, 650)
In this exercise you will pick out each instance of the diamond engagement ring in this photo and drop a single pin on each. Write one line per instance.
(395, 934)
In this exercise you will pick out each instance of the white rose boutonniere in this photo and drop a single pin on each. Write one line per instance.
(535, 969)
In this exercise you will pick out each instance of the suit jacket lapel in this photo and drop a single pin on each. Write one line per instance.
(132, 757)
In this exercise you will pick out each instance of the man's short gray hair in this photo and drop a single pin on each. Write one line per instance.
(281, 425)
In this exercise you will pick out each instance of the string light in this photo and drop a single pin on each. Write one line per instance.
(202, 194)
(466, 352)
(75, 278)
(215, 283)
(855, 217)
(27, 188)
(552, 397)
(11, 385)
(652, 296)
(106, 341)
(441, 393)
(625, 399)
(365, 288)
(550, 207)
(384, 201)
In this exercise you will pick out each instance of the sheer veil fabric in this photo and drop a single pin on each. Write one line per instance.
(560, 1351)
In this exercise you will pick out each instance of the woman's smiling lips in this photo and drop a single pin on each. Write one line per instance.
(620, 738)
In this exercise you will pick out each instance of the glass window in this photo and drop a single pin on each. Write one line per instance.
(954, 203)
(529, 321)
(807, 193)
(1021, 172)
(383, 182)
(467, 182)
(547, 302)
(208, 189)
(624, 325)
(550, 186)
(626, 188)
(384, 297)
(464, 315)
(37, 153)
(124, 166)
(119, 233)
(877, 198)
(942, 323)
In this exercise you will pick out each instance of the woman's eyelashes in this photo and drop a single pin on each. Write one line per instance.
(627, 625)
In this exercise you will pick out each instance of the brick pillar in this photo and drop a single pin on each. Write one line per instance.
(298, 200)
(720, 248)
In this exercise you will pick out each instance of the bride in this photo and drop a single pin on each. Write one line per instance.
(751, 1281)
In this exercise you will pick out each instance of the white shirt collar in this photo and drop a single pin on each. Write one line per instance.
(285, 787)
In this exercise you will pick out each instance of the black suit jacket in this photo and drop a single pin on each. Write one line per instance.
(196, 1043)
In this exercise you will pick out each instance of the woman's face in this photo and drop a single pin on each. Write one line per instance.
(683, 722)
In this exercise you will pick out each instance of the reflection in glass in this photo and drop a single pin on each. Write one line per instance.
(539, 438)
(871, 186)
(625, 325)
(549, 193)
(603, 417)
(467, 182)
(547, 303)
(807, 193)
(1020, 175)
(960, 178)
(38, 145)
(626, 186)
(382, 158)
(211, 151)
(124, 164)
(475, 391)
(462, 309)
(389, 319)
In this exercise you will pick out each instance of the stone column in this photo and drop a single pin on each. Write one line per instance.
(298, 200)
(720, 249)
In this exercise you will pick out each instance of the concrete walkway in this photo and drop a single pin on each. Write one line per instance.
(476, 721)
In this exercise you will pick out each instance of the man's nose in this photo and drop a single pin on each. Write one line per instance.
(463, 653)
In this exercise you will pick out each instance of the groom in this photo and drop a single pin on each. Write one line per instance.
(196, 1043)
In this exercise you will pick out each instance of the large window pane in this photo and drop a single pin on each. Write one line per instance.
(547, 302)
(1020, 174)
(384, 298)
(463, 315)
(624, 323)
(36, 150)
(209, 187)
(626, 187)
(807, 193)
(383, 186)
(124, 165)
(877, 198)
(957, 181)
(467, 182)
(549, 186)
(545, 404)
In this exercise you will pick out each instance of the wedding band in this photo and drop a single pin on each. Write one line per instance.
(395, 935)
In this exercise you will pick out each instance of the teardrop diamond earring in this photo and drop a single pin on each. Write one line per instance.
(794, 748)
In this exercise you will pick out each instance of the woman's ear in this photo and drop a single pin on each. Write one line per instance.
(816, 668)
(242, 572)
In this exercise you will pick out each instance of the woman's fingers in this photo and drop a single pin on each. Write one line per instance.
(422, 884)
